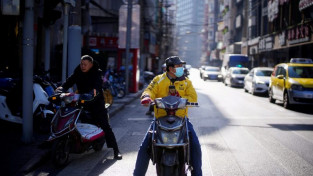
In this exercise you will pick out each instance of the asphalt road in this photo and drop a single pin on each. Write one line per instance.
(240, 134)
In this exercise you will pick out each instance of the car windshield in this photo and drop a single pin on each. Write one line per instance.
(239, 71)
(263, 73)
(300, 72)
(212, 69)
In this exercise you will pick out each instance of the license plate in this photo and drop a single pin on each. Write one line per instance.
(309, 96)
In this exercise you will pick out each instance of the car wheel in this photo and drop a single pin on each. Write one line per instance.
(244, 87)
(252, 90)
(286, 101)
(270, 96)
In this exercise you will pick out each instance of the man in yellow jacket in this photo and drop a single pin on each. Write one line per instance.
(172, 82)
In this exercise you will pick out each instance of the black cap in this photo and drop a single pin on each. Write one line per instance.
(173, 60)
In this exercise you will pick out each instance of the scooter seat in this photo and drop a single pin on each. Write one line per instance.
(89, 132)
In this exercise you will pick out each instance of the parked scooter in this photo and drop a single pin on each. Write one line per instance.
(170, 148)
(72, 130)
(11, 101)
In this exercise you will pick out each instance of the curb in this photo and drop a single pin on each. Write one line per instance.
(44, 154)
(123, 102)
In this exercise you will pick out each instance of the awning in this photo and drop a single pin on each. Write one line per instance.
(303, 4)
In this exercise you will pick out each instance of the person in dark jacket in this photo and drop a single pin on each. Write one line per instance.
(87, 77)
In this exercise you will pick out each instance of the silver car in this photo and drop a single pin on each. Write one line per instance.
(235, 76)
(212, 73)
(257, 80)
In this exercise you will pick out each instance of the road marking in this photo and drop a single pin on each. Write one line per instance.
(130, 106)
(139, 118)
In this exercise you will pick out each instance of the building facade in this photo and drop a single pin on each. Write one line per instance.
(190, 24)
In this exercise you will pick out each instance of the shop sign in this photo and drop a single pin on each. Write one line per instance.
(303, 4)
(282, 38)
(254, 41)
(253, 50)
(299, 34)
(103, 42)
(92, 41)
(266, 44)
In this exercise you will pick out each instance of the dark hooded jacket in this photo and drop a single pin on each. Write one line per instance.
(85, 82)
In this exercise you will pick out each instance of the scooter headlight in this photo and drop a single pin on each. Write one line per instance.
(68, 100)
(67, 97)
(182, 103)
(170, 137)
(159, 103)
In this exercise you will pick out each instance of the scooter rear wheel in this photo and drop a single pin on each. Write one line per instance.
(98, 145)
(60, 152)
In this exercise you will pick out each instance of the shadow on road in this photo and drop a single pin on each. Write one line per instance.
(293, 127)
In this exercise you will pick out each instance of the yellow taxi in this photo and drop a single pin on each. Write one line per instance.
(292, 83)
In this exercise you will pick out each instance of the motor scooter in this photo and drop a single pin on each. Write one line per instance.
(11, 101)
(72, 130)
(170, 148)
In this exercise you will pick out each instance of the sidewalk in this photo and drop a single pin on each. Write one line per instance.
(18, 158)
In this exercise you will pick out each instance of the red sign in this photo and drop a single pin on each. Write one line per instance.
(299, 34)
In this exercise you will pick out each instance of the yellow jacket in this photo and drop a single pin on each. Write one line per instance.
(159, 87)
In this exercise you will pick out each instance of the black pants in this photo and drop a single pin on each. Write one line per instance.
(100, 114)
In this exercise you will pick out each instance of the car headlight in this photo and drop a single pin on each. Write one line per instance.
(296, 87)
(260, 82)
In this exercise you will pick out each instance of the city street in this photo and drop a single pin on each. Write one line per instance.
(240, 134)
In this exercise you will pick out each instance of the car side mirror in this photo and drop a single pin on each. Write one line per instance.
(280, 76)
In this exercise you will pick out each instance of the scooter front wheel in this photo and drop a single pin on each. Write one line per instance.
(178, 170)
(60, 152)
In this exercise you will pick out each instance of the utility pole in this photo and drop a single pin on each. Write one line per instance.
(28, 62)
(128, 43)
(67, 5)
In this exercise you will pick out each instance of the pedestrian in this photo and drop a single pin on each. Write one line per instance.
(87, 77)
(172, 82)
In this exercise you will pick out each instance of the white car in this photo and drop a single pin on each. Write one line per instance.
(257, 80)
(201, 69)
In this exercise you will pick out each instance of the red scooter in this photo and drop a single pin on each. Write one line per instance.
(71, 129)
